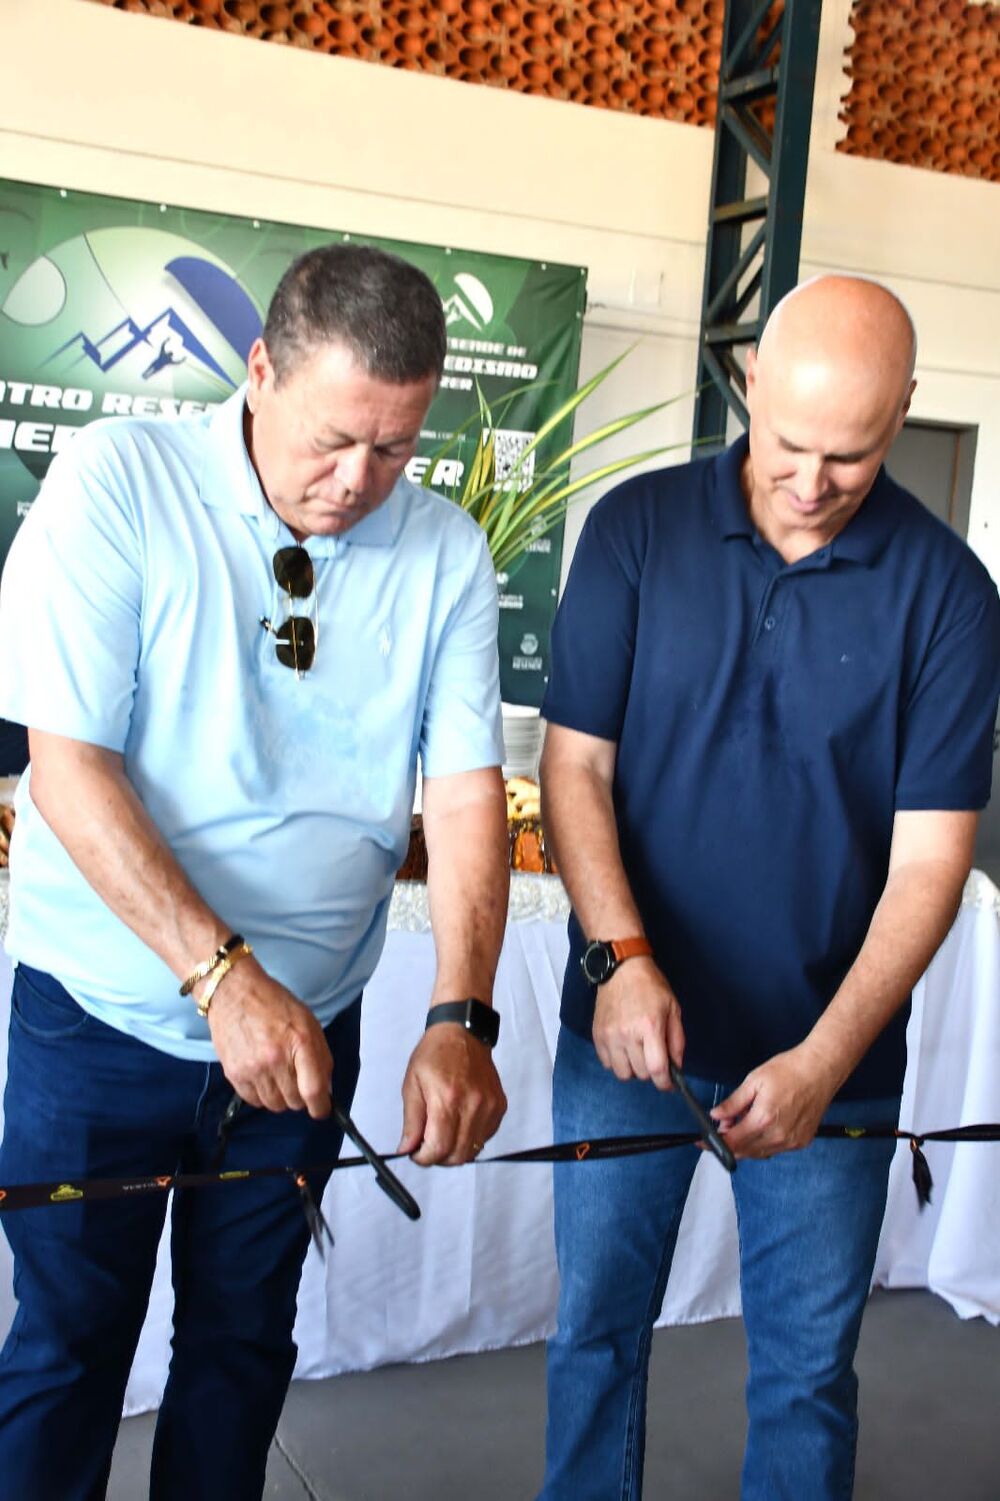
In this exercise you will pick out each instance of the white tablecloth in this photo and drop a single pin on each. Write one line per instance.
(478, 1270)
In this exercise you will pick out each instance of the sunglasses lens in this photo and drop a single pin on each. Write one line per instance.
(293, 570)
(296, 643)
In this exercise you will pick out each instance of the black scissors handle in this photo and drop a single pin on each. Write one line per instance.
(706, 1125)
(387, 1180)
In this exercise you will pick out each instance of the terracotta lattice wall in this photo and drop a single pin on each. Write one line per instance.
(649, 57)
(924, 75)
(925, 85)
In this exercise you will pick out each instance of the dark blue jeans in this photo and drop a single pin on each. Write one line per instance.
(84, 1100)
(809, 1224)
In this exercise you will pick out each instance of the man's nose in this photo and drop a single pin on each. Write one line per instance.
(811, 479)
(354, 468)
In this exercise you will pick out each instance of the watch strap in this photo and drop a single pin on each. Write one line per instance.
(631, 948)
(476, 1017)
(601, 957)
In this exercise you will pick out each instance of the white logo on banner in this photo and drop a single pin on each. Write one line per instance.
(471, 302)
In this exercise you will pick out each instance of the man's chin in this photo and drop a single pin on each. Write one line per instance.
(331, 521)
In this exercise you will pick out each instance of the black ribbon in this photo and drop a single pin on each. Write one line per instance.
(599, 1148)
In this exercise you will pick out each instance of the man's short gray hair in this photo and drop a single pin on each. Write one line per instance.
(385, 310)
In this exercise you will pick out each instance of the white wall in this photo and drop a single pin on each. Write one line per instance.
(106, 101)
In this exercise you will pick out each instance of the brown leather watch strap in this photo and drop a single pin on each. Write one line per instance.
(630, 948)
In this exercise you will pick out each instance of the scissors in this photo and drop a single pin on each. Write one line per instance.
(386, 1179)
(709, 1130)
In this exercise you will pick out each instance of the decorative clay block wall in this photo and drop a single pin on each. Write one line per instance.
(924, 75)
(650, 57)
(925, 85)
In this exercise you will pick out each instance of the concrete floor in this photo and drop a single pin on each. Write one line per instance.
(474, 1426)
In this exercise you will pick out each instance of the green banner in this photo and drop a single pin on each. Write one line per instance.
(114, 307)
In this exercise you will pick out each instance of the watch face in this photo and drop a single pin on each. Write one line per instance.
(483, 1022)
(598, 962)
(492, 1027)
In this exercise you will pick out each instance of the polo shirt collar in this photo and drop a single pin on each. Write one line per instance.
(229, 482)
(871, 528)
(863, 539)
(379, 528)
(731, 508)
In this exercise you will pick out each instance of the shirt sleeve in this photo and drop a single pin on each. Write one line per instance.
(461, 729)
(947, 735)
(70, 602)
(594, 634)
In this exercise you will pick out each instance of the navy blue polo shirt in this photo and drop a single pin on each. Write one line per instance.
(770, 718)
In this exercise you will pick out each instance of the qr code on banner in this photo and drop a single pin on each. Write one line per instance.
(509, 446)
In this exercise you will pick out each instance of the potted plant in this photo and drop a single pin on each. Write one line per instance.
(530, 499)
(515, 509)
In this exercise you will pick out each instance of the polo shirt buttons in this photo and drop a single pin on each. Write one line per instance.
(770, 623)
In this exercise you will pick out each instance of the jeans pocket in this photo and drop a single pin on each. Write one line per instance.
(43, 1009)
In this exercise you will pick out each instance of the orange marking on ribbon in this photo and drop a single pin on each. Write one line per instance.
(582, 1151)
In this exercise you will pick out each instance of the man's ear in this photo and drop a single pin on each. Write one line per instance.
(908, 398)
(260, 372)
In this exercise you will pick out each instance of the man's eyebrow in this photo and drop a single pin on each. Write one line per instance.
(335, 435)
(834, 458)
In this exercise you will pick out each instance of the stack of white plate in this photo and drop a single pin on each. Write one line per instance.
(522, 738)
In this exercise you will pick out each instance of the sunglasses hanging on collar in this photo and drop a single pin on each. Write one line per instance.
(296, 637)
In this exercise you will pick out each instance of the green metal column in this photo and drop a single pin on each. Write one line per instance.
(737, 269)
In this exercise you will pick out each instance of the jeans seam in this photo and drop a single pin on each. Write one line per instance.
(202, 1098)
(628, 1492)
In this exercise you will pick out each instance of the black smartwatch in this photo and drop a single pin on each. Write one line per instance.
(600, 959)
(482, 1021)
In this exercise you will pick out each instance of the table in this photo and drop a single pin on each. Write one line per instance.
(478, 1270)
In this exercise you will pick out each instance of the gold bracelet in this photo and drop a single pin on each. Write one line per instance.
(218, 974)
(232, 942)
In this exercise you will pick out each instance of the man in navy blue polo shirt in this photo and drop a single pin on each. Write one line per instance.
(774, 684)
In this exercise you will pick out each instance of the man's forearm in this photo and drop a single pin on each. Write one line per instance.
(579, 817)
(912, 919)
(468, 880)
(85, 797)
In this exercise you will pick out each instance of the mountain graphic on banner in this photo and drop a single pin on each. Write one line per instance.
(165, 341)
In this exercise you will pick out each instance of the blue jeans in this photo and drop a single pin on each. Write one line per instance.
(84, 1100)
(809, 1224)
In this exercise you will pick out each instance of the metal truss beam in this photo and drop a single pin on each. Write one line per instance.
(740, 268)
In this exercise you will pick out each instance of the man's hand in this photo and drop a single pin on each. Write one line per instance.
(6, 829)
(453, 1100)
(637, 1024)
(271, 1047)
(778, 1107)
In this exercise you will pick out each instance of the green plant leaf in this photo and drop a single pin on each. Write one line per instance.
(527, 503)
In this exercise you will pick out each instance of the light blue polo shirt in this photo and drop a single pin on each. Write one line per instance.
(129, 618)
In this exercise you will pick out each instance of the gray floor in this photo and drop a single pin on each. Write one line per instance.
(473, 1426)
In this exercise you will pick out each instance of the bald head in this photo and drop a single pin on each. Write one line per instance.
(828, 388)
(846, 329)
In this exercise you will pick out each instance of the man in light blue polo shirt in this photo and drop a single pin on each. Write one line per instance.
(232, 638)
